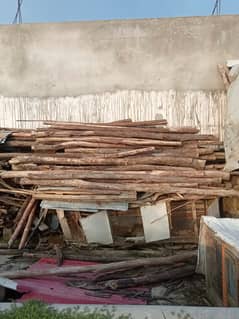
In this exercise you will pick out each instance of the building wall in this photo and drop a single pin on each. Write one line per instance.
(109, 70)
(193, 108)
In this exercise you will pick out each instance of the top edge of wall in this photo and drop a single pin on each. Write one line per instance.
(128, 20)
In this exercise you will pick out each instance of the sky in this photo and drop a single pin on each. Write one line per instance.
(77, 10)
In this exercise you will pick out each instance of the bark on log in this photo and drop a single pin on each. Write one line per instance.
(147, 279)
(52, 146)
(85, 198)
(131, 264)
(106, 125)
(163, 186)
(101, 135)
(136, 167)
(72, 180)
(22, 222)
(217, 192)
(73, 142)
(68, 133)
(165, 160)
(71, 174)
(28, 226)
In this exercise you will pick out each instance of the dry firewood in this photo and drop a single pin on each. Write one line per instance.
(25, 167)
(164, 160)
(159, 150)
(22, 134)
(71, 179)
(103, 254)
(74, 191)
(94, 151)
(120, 129)
(114, 133)
(207, 192)
(139, 123)
(129, 138)
(209, 142)
(130, 264)
(138, 187)
(74, 142)
(150, 278)
(123, 121)
(71, 174)
(107, 125)
(61, 133)
(86, 198)
(28, 226)
(22, 221)
(137, 167)
(54, 147)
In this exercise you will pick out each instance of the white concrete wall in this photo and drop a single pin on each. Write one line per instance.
(72, 59)
(108, 70)
(195, 108)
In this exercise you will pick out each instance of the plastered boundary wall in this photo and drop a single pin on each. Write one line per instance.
(109, 70)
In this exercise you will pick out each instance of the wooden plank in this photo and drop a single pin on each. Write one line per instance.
(64, 224)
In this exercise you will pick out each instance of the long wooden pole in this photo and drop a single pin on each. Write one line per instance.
(130, 264)
(136, 184)
(71, 174)
(22, 222)
(162, 160)
(149, 278)
(28, 226)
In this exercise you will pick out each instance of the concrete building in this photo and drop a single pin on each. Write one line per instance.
(110, 70)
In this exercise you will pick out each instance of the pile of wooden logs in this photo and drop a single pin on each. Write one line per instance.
(123, 274)
(123, 161)
(119, 161)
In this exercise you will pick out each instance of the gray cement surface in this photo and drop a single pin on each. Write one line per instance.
(71, 59)
(156, 312)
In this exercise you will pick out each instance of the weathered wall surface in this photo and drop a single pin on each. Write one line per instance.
(70, 59)
(107, 70)
(204, 110)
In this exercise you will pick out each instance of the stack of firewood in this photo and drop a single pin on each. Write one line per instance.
(124, 161)
(120, 161)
